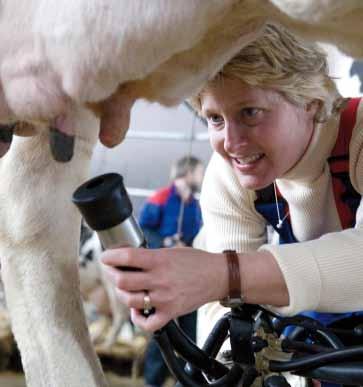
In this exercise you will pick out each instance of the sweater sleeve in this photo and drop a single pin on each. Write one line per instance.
(325, 274)
(229, 216)
(229, 222)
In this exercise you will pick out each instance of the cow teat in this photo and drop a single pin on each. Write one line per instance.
(6, 137)
(61, 145)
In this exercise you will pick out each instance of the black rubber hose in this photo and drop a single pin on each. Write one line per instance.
(233, 378)
(249, 377)
(314, 361)
(192, 353)
(330, 339)
(276, 381)
(211, 347)
(296, 333)
(217, 336)
(346, 373)
(298, 321)
(172, 362)
(292, 345)
(323, 335)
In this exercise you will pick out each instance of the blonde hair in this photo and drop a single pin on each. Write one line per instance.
(280, 61)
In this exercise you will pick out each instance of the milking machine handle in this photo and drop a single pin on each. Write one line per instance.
(107, 209)
(105, 205)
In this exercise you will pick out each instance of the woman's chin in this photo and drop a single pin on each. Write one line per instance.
(255, 176)
(254, 183)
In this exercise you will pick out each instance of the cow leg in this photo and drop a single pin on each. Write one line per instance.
(39, 234)
(120, 315)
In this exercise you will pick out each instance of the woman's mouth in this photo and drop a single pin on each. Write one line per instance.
(248, 160)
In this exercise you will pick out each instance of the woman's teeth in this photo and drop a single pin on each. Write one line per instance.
(249, 159)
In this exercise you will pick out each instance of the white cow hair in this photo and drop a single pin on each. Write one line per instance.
(81, 51)
(89, 263)
(57, 55)
(39, 235)
(91, 277)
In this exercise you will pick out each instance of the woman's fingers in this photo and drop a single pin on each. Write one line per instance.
(151, 323)
(134, 300)
(178, 280)
(130, 281)
(137, 258)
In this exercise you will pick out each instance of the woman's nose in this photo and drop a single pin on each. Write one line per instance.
(235, 136)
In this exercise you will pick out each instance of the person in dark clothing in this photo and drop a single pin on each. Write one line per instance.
(171, 217)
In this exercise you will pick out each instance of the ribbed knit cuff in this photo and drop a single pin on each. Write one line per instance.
(301, 273)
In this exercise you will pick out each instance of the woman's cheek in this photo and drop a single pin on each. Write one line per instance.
(217, 143)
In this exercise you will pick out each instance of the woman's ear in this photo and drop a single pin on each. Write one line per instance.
(313, 107)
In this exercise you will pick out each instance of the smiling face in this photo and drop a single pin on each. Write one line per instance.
(259, 132)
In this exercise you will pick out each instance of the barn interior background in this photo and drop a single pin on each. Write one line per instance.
(158, 136)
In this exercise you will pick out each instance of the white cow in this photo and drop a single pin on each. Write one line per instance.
(61, 58)
(93, 279)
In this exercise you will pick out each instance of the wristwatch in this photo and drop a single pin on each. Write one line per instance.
(234, 298)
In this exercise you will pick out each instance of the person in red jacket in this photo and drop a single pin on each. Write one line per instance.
(172, 214)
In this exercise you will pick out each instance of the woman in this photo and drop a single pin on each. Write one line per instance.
(273, 117)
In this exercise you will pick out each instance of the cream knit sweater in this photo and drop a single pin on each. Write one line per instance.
(324, 271)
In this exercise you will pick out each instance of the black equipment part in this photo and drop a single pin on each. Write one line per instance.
(103, 201)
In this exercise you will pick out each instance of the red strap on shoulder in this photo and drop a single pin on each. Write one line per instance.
(348, 118)
(339, 161)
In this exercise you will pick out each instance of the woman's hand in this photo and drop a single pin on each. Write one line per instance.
(179, 280)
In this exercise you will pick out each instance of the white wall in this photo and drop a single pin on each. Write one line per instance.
(145, 163)
(340, 66)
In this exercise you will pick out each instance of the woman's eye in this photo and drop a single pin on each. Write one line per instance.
(252, 116)
(215, 119)
(251, 112)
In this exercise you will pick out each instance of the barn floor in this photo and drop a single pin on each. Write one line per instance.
(118, 363)
(17, 380)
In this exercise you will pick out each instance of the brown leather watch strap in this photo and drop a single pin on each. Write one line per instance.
(234, 278)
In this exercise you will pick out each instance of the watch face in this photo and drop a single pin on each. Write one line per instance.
(232, 302)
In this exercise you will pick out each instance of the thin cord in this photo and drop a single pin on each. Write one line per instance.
(281, 221)
(277, 205)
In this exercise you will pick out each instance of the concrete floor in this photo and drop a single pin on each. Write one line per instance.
(17, 380)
